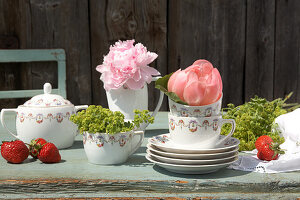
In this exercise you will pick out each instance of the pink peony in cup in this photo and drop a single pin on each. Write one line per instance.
(126, 65)
(199, 84)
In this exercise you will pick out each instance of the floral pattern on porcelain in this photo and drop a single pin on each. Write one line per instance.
(43, 103)
(161, 139)
(40, 118)
(100, 140)
(166, 137)
(215, 124)
(231, 142)
(193, 125)
(172, 124)
(183, 112)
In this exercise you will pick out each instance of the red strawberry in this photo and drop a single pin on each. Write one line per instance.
(49, 153)
(14, 151)
(269, 152)
(261, 141)
(35, 146)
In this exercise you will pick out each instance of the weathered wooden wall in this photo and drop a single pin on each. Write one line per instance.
(254, 44)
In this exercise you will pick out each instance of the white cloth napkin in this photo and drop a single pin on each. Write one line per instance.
(289, 125)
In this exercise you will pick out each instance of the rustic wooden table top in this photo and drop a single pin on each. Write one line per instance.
(74, 177)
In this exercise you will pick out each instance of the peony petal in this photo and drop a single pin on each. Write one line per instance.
(211, 94)
(122, 45)
(202, 67)
(151, 57)
(145, 58)
(200, 62)
(172, 80)
(147, 76)
(150, 70)
(108, 81)
(193, 93)
(213, 88)
(179, 84)
(137, 75)
(135, 85)
(102, 68)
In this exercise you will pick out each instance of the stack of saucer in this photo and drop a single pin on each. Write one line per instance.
(194, 144)
(162, 151)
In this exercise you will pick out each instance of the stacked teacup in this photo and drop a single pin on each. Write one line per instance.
(195, 123)
(198, 126)
(194, 144)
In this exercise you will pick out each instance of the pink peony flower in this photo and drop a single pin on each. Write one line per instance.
(199, 84)
(127, 64)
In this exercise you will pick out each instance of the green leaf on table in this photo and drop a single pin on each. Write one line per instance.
(162, 84)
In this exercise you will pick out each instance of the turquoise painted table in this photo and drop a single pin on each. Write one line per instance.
(74, 177)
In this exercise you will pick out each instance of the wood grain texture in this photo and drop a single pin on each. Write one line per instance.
(63, 24)
(260, 47)
(254, 44)
(75, 186)
(75, 177)
(53, 24)
(211, 30)
(121, 198)
(287, 56)
(144, 21)
(9, 73)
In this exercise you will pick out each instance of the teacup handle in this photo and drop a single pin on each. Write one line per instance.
(225, 121)
(160, 100)
(3, 122)
(137, 133)
(84, 107)
(78, 108)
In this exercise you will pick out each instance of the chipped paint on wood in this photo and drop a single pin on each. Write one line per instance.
(181, 181)
(121, 198)
(77, 186)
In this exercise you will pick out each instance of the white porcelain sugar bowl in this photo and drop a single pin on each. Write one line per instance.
(45, 116)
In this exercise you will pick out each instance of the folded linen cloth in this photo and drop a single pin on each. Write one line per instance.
(289, 126)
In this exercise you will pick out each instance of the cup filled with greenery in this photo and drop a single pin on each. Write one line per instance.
(107, 137)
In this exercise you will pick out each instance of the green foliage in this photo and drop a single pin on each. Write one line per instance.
(96, 119)
(162, 84)
(254, 119)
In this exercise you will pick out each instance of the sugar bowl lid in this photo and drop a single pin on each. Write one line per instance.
(47, 99)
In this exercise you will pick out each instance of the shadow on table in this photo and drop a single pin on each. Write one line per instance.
(137, 160)
(222, 173)
(141, 150)
(154, 132)
(76, 145)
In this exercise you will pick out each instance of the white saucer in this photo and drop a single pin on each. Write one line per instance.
(192, 156)
(190, 169)
(164, 143)
(190, 162)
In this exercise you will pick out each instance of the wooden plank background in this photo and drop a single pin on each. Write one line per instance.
(255, 44)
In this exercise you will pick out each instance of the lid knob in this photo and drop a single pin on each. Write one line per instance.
(47, 88)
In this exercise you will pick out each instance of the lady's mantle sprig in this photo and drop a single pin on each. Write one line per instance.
(256, 118)
(96, 119)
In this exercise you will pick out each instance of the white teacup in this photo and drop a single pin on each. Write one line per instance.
(106, 149)
(201, 132)
(181, 110)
